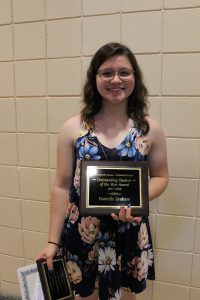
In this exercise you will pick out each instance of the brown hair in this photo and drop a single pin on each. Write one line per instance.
(137, 107)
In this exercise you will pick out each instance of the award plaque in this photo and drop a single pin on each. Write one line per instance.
(55, 284)
(107, 185)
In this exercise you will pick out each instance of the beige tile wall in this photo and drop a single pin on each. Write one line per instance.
(46, 46)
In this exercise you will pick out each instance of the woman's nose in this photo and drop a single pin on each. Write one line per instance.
(116, 78)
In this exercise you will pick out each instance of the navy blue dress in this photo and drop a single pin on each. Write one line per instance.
(119, 253)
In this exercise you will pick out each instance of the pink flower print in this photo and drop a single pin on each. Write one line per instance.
(77, 176)
(143, 237)
(93, 255)
(141, 266)
(119, 262)
(74, 272)
(142, 145)
(72, 213)
(89, 229)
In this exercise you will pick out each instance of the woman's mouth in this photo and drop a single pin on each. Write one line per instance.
(115, 89)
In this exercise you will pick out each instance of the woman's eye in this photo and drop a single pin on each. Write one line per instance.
(107, 74)
(124, 73)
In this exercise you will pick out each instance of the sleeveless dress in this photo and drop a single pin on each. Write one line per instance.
(119, 253)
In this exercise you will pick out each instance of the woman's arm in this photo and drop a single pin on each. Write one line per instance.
(60, 189)
(157, 159)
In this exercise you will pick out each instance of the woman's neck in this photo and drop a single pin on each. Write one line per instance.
(113, 117)
(110, 111)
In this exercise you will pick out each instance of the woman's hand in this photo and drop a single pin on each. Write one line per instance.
(48, 253)
(125, 216)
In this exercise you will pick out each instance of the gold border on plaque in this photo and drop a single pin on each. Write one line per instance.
(112, 206)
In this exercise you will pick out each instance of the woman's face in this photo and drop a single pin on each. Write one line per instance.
(115, 79)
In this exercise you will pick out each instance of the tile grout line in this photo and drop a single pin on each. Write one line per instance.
(16, 125)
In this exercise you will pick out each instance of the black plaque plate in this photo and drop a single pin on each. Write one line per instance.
(55, 284)
(107, 185)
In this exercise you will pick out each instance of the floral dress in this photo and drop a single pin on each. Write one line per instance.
(119, 253)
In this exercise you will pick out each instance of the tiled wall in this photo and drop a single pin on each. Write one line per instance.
(45, 48)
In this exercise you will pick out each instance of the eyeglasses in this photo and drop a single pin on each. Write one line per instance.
(124, 74)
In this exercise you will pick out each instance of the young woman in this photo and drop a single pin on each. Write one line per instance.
(113, 125)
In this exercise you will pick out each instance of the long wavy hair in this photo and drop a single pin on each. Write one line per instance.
(137, 106)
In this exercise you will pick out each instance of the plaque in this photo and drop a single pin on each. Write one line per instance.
(55, 284)
(107, 185)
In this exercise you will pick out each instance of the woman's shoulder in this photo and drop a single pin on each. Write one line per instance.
(73, 122)
(71, 128)
(155, 129)
(75, 128)
(153, 123)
